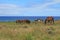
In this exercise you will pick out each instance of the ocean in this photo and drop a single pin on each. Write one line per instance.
(32, 18)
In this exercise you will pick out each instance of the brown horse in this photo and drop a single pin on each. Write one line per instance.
(22, 21)
(49, 19)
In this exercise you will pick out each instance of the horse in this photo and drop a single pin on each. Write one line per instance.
(38, 21)
(49, 19)
(23, 21)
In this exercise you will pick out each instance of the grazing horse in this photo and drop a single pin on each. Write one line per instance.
(38, 20)
(22, 21)
(49, 19)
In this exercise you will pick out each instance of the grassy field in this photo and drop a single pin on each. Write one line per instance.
(38, 31)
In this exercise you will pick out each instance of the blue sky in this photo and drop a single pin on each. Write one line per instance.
(29, 7)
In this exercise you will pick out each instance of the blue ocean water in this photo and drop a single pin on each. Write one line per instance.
(14, 18)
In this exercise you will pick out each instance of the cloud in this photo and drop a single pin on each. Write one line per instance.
(9, 9)
(39, 8)
(56, 1)
(15, 10)
(52, 10)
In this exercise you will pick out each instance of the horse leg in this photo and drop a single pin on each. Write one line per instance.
(45, 21)
(53, 21)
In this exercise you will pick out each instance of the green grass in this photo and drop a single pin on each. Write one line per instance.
(39, 31)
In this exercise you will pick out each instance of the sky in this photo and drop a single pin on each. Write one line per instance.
(29, 7)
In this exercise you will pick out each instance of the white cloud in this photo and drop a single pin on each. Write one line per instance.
(9, 9)
(36, 8)
(56, 1)
(52, 10)
(14, 10)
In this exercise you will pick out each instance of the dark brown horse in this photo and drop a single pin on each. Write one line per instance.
(22, 21)
(49, 19)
